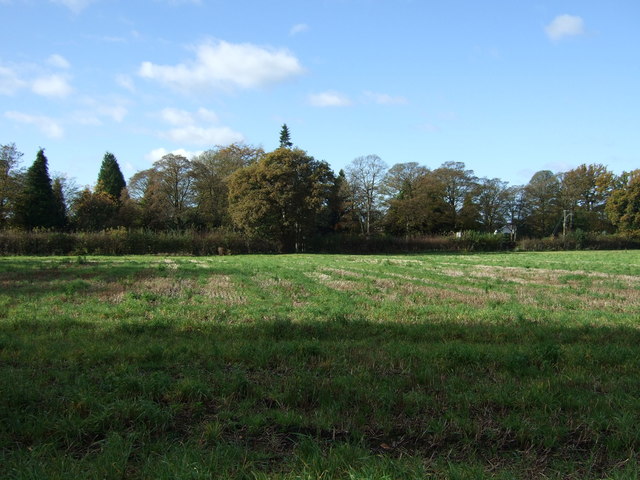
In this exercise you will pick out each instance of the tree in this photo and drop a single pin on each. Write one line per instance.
(623, 206)
(339, 206)
(144, 188)
(541, 199)
(419, 208)
(401, 178)
(584, 191)
(37, 205)
(60, 202)
(458, 184)
(285, 137)
(280, 197)
(94, 211)
(110, 178)
(175, 181)
(365, 175)
(492, 197)
(211, 170)
(10, 184)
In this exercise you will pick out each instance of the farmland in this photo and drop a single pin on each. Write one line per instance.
(516, 365)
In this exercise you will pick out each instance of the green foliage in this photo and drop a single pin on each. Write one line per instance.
(38, 207)
(623, 207)
(110, 178)
(280, 197)
(285, 137)
(94, 211)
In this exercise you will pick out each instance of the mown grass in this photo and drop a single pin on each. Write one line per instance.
(506, 366)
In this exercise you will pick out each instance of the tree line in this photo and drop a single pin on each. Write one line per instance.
(290, 198)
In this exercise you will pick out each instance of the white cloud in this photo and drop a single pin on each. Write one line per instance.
(174, 116)
(190, 129)
(115, 112)
(565, 26)
(329, 99)
(95, 110)
(223, 65)
(158, 153)
(49, 126)
(10, 82)
(76, 6)
(194, 135)
(58, 61)
(298, 28)
(385, 99)
(126, 82)
(51, 86)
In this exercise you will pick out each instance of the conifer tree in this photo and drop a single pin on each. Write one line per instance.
(110, 178)
(285, 137)
(60, 204)
(37, 206)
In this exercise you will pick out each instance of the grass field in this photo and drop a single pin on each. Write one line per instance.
(519, 365)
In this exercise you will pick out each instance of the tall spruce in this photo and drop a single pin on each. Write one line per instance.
(285, 137)
(38, 207)
(110, 179)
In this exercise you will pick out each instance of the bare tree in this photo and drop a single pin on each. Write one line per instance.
(365, 176)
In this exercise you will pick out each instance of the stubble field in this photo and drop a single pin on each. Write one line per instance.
(519, 365)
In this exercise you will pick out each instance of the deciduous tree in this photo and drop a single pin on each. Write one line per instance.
(212, 170)
(542, 203)
(458, 183)
(623, 207)
(10, 181)
(365, 176)
(280, 197)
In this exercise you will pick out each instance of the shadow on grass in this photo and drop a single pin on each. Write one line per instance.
(280, 395)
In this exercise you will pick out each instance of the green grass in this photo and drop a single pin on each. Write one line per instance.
(521, 365)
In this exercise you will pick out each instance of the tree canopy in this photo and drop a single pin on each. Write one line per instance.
(280, 197)
(38, 207)
(110, 178)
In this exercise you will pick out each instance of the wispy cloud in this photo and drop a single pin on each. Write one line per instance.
(385, 99)
(182, 2)
(47, 125)
(58, 61)
(565, 26)
(197, 128)
(113, 108)
(298, 28)
(174, 116)
(225, 66)
(52, 86)
(126, 82)
(194, 135)
(76, 6)
(329, 99)
(10, 81)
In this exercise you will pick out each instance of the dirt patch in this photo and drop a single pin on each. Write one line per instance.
(222, 289)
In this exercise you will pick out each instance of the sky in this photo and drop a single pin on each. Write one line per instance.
(507, 87)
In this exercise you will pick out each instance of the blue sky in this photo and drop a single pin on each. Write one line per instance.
(507, 87)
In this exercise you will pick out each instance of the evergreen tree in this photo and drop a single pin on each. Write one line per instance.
(60, 204)
(285, 137)
(110, 179)
(37, 206)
